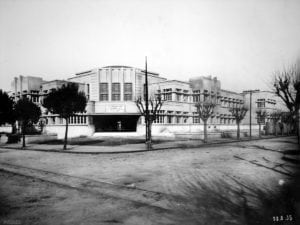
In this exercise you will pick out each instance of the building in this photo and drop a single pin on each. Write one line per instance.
(26, 86)
(112, 91)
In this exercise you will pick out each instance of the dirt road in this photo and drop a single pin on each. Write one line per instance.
(136, 188)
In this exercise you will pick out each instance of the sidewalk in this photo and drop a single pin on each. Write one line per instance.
(126, 148)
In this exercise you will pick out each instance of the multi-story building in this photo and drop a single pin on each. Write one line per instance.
(26, 86)
(112, 91)
(265, 101)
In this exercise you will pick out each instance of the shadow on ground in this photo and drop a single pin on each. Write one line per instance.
(233, 202)
(99, 142)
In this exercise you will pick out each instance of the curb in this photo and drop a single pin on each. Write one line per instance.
(144, 150)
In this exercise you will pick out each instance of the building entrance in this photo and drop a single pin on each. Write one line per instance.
(115, 123)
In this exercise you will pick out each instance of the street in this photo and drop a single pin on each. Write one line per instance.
(248, 182)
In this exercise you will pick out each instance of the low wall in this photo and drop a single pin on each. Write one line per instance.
(5, 129)
(73, 130)
(40, 138)
(196, 129)
(31, 138)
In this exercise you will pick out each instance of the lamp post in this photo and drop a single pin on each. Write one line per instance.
(250, 109)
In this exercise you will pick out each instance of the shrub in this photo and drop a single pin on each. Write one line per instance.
(13, 138)
(226, 135)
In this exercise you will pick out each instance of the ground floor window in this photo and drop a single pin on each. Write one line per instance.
(196, 119)
(56, 120)
(159, 119)
(185, 119)
(169, 119)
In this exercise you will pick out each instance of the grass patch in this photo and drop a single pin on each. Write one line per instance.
(109, 141)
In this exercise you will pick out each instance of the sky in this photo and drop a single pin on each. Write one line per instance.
(242, 43)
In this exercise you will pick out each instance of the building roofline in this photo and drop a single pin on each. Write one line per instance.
(56, 80)
(169, 81)
(271, 92)
(231, 92)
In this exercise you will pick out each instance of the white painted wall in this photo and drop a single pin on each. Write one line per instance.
(73, 130)
(5, 129)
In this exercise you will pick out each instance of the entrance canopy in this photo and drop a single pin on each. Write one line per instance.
(115, 123)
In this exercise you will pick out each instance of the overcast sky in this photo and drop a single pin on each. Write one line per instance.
(240, 42)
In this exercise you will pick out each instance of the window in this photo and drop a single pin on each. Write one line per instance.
(196, 118)
(103, 91)
(159, 117)
(196, 96)
(185, 95)
(167, 94)
(261, 103)
(115, 92)
(128, 92)
(35, 99)
(185, 117)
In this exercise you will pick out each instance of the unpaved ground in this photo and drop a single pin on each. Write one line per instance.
(30, 201)
(256, 164)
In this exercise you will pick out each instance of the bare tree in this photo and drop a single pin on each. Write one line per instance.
(155, 104)
(239, 114)
(287, 87)
(287, 118)
(261, 116)
(205, 110)
(275, 117)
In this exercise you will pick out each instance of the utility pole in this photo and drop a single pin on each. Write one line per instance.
(250, 126)
(250, 109)
(146, 102)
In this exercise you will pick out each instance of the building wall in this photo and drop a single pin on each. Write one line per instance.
(73, 131)
(26, 86)
(262, 100)
(113, 90)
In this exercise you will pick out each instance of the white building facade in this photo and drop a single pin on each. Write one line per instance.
(111, 92)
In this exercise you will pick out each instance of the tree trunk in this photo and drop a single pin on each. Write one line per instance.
(146, 125)
(66, 133)
(275, 128)
(150, 132)
(238, 131)
(23, 135)
(298, 126)
(13, 128)
(259, 130)
(205, 131)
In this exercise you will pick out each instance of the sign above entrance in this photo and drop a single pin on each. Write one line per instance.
(114, 108)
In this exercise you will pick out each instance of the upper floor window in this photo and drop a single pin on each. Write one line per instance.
(261, 103)
(168, 96)
(115, 92)
(127, 91)
(196, 118)
(196, 96)
(103, 91)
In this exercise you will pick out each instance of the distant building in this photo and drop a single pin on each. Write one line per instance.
(112, 91)
(26, 86)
